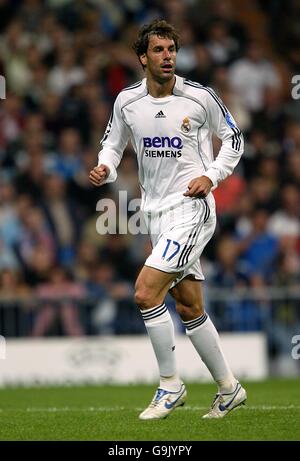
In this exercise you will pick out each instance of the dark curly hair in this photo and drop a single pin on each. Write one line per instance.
(158, 27)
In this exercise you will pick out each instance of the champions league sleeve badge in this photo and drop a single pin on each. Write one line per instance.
(230, 120)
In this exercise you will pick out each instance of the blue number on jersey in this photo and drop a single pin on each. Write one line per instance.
(177, 245)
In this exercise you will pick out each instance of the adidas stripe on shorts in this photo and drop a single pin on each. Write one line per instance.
(179, 236)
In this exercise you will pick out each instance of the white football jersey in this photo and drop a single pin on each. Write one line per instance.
(172, 138)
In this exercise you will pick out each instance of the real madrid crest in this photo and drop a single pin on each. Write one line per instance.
(186, 126)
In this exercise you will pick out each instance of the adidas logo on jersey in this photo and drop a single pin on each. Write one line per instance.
(160, 114)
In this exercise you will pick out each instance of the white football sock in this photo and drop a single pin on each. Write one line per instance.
(206, 341)
(160, 329)
(173, 383)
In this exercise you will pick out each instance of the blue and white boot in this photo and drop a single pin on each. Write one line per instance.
(163, 403)
(224, 403)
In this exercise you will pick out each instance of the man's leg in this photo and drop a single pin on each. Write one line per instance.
(205, 338)
(152, 286)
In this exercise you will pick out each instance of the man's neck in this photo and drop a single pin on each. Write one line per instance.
(160, 90)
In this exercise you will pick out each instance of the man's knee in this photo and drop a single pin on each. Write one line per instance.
(144, 298)
(189, 312)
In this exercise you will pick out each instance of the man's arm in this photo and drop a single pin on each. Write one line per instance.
(98, 175)
(223, 125)
(199, 187)
(113, 144)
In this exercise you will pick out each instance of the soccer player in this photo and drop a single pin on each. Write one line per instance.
(170, 122)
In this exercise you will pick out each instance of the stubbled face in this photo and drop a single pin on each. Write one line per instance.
(160, 59)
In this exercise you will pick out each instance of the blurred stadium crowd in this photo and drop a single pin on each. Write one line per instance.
(64, 63)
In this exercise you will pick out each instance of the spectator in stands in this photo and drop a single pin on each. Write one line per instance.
(250, 76)
(34, 242)
(33, 162)
(8, 258)
(15, 303)
(202, 70)
(234, 311)
(111, 296)
(9, 224)
(68, 160)
(62, 216)
(66, 73)
(285, 309)
(286, 220)
(12, 287)
(292, 168)
(222, 47)
(259, 249)
(58, 297)
(11, 124)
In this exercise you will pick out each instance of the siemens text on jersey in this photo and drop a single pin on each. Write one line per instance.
(163, 142)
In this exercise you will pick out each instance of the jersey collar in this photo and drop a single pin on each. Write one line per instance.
(178, 87)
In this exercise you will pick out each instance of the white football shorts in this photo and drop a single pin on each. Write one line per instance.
(179, 236)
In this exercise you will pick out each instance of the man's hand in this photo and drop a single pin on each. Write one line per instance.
(98, 175)
(199, 187)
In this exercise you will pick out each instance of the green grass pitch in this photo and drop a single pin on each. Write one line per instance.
(111, 413)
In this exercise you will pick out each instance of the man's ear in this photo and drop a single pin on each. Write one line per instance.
(143, 59)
